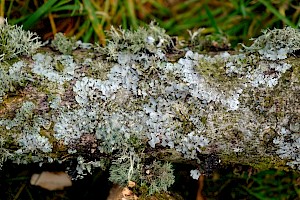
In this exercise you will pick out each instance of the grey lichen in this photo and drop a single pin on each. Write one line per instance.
(288, 143)
(70, 125)
(136, 101)
(14, 41)
(86, 167)
(66, 45)
(54, 101)
(63, 44)
(25, 128)
(154, 177)
(126, 168)
(276, 44)
(151, 39)
(12, 77)
(158, 176)
(56, 69)
(5, 154)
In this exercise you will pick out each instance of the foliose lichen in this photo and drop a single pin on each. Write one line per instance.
(12, 77)
(288, 143)
(57, 69)
(137, 101)
(25, 127)
(70, 125)
(195, 174)
(86, 167)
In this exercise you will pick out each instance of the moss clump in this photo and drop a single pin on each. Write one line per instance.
(98, 69)
(212, 42)
(214, 71)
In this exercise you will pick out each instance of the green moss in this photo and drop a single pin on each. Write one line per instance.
(213, 42)
(58, 66)
(213, 70)
(99, 69)
(256, 161)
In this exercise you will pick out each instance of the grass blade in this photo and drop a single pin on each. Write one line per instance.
(2, 5)
(87, 36)
(276, 13)
(94, 20)
(131, 12)
(66, 8)
(9, 9)
(38, 14)
(211, 19)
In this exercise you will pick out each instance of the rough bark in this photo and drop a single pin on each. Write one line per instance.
(133, 107)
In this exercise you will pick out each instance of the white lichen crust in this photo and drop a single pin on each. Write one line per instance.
(131, 100)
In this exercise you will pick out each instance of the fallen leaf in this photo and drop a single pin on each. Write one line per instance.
(51, 180)
(126, 192)
(131, 184)
(121, 193)
(115, 193)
